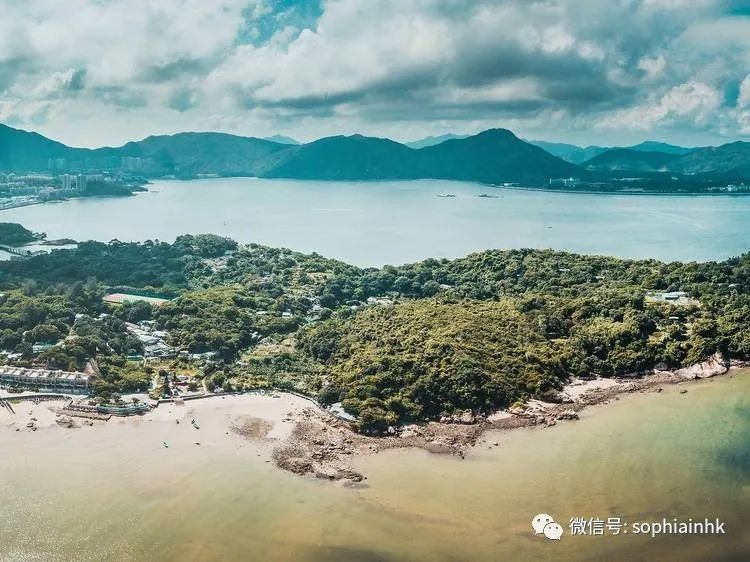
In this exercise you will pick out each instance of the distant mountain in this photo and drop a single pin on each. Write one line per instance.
(344, 158)
(281, 139)
(432, 141)
(190, 154)
(579, 155)
(569, 152)
(731, 159)
(183, 154)
(494, 156)
(653, 146)
(630, 159)
(25, 150)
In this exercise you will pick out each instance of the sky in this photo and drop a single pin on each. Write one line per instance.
(608, 72)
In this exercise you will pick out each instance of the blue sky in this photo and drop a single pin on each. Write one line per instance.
(615, 72)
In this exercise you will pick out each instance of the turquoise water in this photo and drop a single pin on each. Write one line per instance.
(397, 222)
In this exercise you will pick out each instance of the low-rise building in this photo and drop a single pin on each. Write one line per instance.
(122, 298)
(42, 379)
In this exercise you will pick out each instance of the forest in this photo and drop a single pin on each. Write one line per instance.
(394, 344)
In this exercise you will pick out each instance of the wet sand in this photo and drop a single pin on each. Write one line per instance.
(113, 492)
(289, 432)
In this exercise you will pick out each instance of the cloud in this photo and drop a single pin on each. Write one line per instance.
(693, 102)
(743, 99)
(311, 67)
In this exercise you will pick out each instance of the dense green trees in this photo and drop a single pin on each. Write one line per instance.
(429, 357)
(437, 336)
(13, 234)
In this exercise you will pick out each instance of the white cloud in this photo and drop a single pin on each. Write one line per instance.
(653, 66)
(691, 102)
(122, 68)
(743, 99)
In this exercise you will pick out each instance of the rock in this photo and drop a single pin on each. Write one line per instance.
(65, 422)
(326, 473)
(716, 365)
(296, 464)
(351, 475)
(467, 418)
(567, 415)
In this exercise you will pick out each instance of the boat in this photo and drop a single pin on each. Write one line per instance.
(446, 195)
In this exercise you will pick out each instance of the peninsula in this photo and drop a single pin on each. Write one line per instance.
(425, 341)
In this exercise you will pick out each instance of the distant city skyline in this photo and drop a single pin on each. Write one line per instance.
(89, 73)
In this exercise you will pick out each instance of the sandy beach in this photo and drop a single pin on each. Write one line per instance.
(250, 424)
(289, 432)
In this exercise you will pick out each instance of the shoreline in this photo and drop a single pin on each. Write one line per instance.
(307, 440)
(323, 449)
(631, 192)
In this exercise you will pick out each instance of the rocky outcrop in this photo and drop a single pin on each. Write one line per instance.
(715, 365)
(466, 418)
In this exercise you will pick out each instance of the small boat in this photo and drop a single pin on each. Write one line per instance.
(446, 195)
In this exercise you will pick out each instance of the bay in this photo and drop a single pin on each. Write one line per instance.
(377, 223)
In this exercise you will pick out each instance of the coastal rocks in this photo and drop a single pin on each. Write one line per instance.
(715, 365)
(555, 397)
(328, 473)
(411, 430)
(319, 449)
(466, 418)
(251, 428)
(567, 415)
(64, 421)
(296, 465)
(589, 391)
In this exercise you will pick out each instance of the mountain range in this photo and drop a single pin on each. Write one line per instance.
(730, 161)
(494, 156)
(580, 154)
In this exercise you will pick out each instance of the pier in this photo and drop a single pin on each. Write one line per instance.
(16, 251)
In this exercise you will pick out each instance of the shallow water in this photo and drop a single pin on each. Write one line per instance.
(114, 493)
(374, 223)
